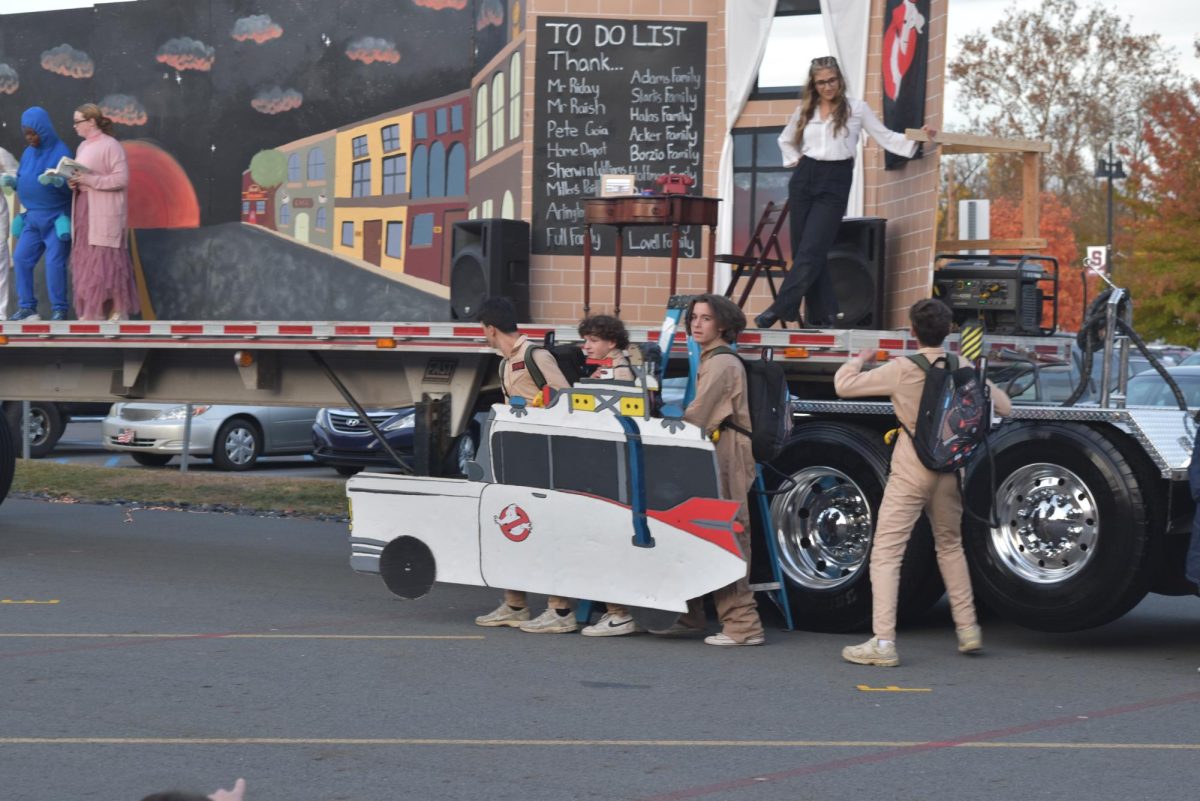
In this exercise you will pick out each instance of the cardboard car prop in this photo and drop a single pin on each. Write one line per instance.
(589, 497)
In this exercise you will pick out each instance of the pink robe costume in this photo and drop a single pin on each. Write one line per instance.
(101, 271)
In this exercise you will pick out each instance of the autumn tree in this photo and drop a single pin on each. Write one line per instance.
(1055, 227)
(1163, 268)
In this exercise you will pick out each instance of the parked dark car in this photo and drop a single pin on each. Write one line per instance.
(345, 443)
(47, 421)
(1029, 383)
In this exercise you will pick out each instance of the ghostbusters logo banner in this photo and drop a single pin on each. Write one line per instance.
(904, 63)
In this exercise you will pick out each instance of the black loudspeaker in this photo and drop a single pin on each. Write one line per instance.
(856, 264)
(491, 258)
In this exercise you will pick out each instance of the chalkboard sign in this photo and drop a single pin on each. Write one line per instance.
(614, 96)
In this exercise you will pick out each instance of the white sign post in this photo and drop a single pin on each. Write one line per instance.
(1097, 258)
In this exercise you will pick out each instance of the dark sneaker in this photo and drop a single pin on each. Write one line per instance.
(28, 315)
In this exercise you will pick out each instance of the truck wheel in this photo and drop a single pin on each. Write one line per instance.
(238, 445)
(1071, 551)
(825, 523)
(8, 459)
(46, 427)
(408, 567)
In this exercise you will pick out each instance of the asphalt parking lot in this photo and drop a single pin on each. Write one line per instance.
(142, 650)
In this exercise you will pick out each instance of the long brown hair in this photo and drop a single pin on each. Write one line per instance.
(810, 98)
(90, 111)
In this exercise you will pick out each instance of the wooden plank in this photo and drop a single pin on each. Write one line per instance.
(971, 143)
(952, 245)
(1031, 189)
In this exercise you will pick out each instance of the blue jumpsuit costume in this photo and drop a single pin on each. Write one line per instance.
(45, 204)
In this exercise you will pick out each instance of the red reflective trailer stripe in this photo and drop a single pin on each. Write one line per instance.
(411, 331)
(749, 339)
(187, 329)
(464, 331)
(294, 330)
(352, 330)
(76, 328)
(232, 329)
(34, 328)
(811, 339)
(891, 344)
(135, 329)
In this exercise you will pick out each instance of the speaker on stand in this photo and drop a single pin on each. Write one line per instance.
(856, 265)
(490, 258)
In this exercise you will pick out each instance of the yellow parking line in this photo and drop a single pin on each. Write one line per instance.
(185, 636)
(425, 741)
(892, 688)
(11, 601)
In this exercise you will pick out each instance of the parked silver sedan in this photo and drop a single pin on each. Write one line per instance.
(234, 436)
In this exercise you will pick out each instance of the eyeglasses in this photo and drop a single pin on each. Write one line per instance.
(826, 82)
(78, 122)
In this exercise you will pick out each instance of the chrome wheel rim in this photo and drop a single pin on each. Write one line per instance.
(39, 428)
(466, 452)
(1049, 523)
(239, 445)
(823, 527)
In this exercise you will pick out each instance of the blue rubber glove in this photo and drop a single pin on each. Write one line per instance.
(8, 181)
(51, 180)
(62, 227)
(18, 225)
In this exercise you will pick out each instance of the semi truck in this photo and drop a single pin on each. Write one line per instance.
(1091, 505)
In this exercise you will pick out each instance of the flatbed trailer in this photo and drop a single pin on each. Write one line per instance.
(1092, 502)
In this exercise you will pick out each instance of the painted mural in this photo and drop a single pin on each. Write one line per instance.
(341, 139)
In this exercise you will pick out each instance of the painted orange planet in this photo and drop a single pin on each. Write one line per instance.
(160, 193)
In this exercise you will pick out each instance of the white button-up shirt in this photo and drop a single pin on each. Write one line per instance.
(821, 143)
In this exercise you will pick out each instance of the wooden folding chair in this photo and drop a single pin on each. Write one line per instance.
(761, 255)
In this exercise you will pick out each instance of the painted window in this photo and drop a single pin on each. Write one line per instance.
(422, 230)
(473, 213)
(294, 167)
(456, 170)
(507, 206)
(316, 164)
(456, 117)
(395, 175)
(260, 207)
(485, 209)
(395, 240)
(421, 126)
(758, 176)
(390, 136)
(441, 121)
(514, 97)
(481, 123)
(245, 208)
(348, 234)
(437, 170)
(420, 173)
(285, 214)
(322, 218)
(360, 180)
(359, 146)
(498, 121)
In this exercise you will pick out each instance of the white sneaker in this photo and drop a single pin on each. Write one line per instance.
(724, 639)
(970, 639)
(503, 615)
(872, 653)
(551, 622)
(612, 626)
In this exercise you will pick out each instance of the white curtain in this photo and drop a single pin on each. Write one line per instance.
(847, 25)
(747, 25)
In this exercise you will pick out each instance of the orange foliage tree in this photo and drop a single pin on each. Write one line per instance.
(1055, 227)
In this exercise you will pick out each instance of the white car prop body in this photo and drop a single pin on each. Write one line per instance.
(588, 498)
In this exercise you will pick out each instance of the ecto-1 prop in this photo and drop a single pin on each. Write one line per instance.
(589, 498)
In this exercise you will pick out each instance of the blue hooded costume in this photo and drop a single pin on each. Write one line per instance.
(47, 217)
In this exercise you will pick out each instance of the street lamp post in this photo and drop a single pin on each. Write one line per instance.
(1109, 168)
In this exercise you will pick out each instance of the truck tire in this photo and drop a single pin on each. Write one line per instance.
(825, 523)
(8, 459)
(408, 567)
(238, 444)
(1072, 549)
(46, 426)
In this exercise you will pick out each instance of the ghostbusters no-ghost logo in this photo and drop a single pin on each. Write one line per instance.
(514, 523)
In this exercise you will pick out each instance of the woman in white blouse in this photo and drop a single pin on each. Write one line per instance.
(819, 141)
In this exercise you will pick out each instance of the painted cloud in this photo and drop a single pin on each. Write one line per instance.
(123, 109)
(257, 27)
(439, 5)
(370, 49)
(185, 53)
(490, 13)
(66, 60)
(9, 82)
(276, 100)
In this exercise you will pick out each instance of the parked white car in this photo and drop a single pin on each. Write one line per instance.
(234, 436)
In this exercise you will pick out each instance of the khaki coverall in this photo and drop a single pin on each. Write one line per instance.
(911, 488)
(720, 396)
(517, 382)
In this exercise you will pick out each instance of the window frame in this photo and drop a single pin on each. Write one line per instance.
(401, 174)
(390, 144)
(347, 225)
(415, 223)
(360, 148)
(318, 163)
(357, 179)
(483, 116)
(388, 238)
(754, 170)
(786, 8)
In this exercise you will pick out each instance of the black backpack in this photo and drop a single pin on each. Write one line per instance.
(953, 418)
(770, 405)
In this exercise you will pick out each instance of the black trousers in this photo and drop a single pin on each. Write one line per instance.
(817, 195)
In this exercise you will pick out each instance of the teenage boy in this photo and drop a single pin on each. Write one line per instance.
(499, 320)
(911, 488)
(715, 322)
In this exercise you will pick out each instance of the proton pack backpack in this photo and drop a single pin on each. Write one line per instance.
(569, 358)
(953, 418)
(769, 402)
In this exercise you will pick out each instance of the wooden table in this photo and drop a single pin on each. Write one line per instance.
(646, 210)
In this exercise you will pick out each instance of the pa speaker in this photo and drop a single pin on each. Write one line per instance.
(856, 265)
(491, 258)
